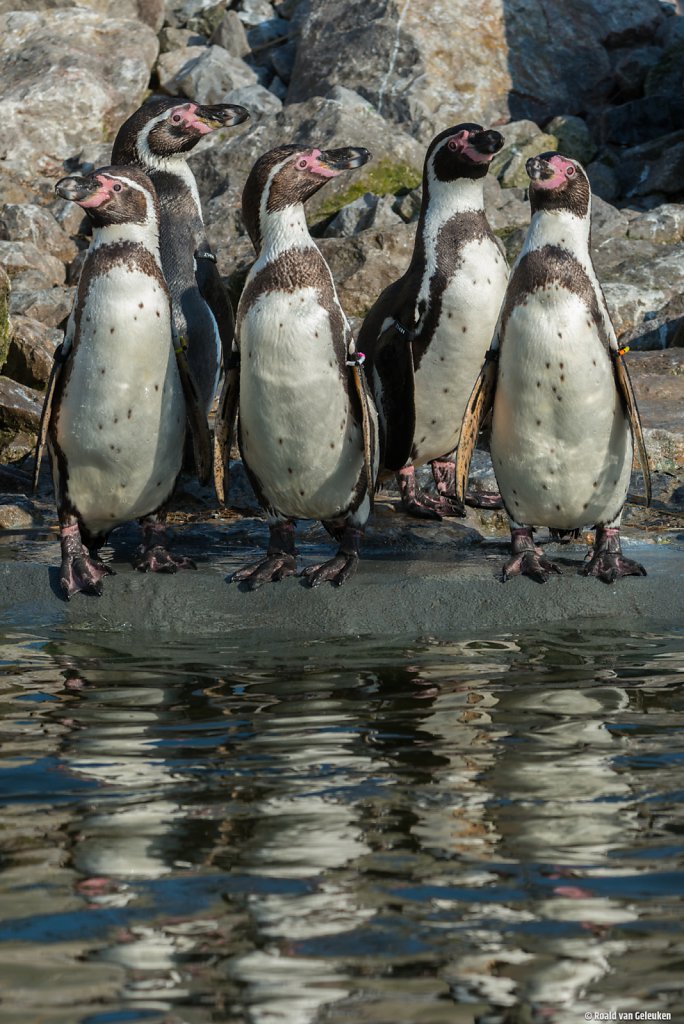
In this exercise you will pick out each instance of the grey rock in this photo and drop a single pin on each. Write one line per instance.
(251, 12)
(20, 407)
(640, 120)
(603, 180)
(201, 16)
(5, 326)
(534, 59)
(573, 137)
(31, 350)
(366, 263)
(150, 12)
(264, 34)
(407, 206)
(665, 77)
(637, 287)
(231, 35)
(203, 74)
(663, 224)
(607, 223)
(179, 39)
(20, 257)
(631, 66)
(278, 88)
(522, 139)
(259, 101)
(60, 84)
(659, 329)
(16, 514)
(31, 223)
(283, 59)
(369, 211)
(49, 305)
(507, 208)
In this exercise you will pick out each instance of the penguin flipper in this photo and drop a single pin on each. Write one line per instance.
(367, 421)
(393, 363)
(624, 386)
(199, 428)
(215, 295)
(480, 402)
(46, 414)
(224, 426)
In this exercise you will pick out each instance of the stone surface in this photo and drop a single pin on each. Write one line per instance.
(205, 74)
(20, 407)
(534, 59)
(49, 305)
(573, 138)
(78, 92)
(231, 35)
(30, 352)
(5, 327)
(28, 222)
(19, 257)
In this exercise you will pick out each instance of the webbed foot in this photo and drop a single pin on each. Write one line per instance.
(80, 572)
(528, 559)
(343, 565)
(159, 559)
(422, 505)
(271, 569)
(336, 570)
(606, 560)
(280, 560)
(153, 553)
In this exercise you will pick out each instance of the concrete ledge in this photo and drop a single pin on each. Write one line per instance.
(442, 593)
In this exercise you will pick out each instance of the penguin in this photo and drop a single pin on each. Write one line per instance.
(426, 335)
(307, 425)
(157, 139)
(116, 405)
(565, 420)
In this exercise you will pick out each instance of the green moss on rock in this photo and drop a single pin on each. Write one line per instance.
(383, 179)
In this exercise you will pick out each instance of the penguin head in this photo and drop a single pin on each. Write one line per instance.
(168, 127)
(289, 175)
(112, 195)
(558, 183)
(464, 151)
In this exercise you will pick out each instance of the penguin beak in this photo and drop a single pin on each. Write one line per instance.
(221, 115)
(76, 188)
(487, 142)
(539, 169)
(344, 159)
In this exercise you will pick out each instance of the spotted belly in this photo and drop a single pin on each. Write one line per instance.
(299, 433)
(120, 422)
(448, 369)
(561, 443)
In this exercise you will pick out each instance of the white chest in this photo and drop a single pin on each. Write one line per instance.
(121, 419)
(561, 443)
(449, 367)
(298, 433)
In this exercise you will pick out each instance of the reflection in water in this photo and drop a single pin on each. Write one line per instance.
(343, 831)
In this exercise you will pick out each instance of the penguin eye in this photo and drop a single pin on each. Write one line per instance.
(569, 172)
(302, 164)
(176, 118)
(116, 187)
(453, 144)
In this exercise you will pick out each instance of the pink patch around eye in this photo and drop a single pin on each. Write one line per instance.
(312, 163)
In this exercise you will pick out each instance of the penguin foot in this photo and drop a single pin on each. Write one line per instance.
(422, 505)
(81, 571)
(483, 499)
(159, 559)
(606, 560)
(528, 559)
(337, 570)
(275, 567)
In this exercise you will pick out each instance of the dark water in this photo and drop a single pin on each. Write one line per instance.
(399, 833)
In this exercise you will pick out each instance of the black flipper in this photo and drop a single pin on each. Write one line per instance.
(215, 295)
(624, 386)
(480, 402)
(393, 362)
(355, 362)
(199, 428)
(46, 415)
(224, 426)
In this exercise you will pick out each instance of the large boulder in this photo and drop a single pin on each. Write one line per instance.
(68, 75)
(435, 64)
